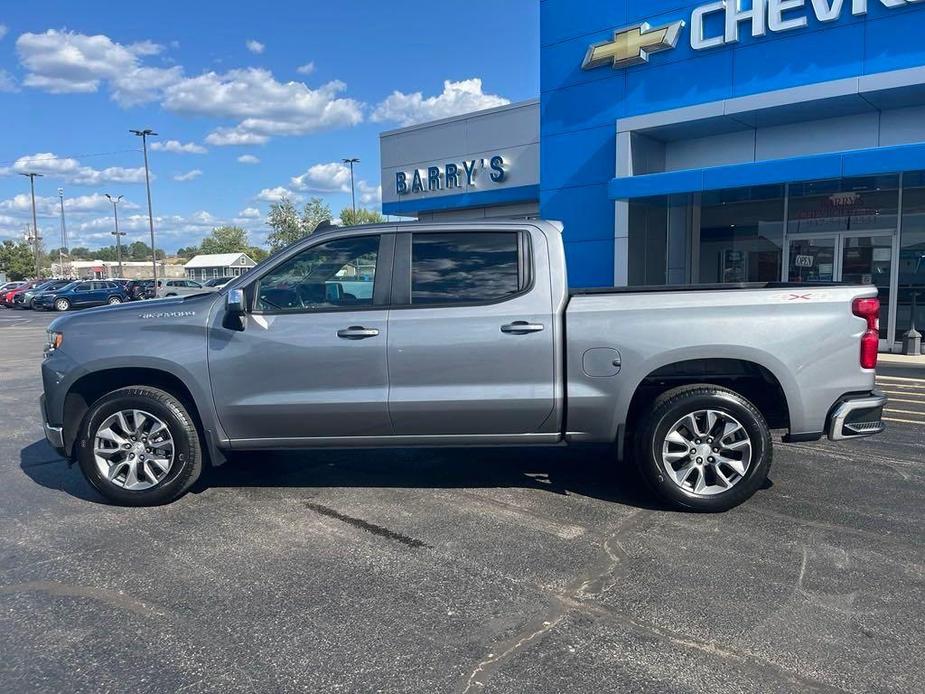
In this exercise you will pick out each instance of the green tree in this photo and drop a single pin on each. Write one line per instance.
(80, 253)
(287, 225)
(17, 260)
(225, 239)
(349, 217)
(188, 252)
(256, 253)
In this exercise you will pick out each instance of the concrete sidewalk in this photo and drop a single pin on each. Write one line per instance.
(900, 365)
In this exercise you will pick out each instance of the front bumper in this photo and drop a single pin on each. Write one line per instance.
(54, 435)
(856, 416)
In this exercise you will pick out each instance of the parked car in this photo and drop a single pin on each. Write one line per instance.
(82, 294)
(9, 286)
(140, 289)
(27, 298)
(218, 282)
(9, 298)
(486, 345)
(180, 288)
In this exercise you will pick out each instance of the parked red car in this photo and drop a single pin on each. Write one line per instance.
(7, 298)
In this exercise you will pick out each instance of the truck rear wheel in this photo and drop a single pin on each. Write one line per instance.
(138, 446)
(704, 448)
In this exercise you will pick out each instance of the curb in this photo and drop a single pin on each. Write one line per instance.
(901, 370)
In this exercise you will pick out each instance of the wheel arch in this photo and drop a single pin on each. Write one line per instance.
(89, 387)
(752, 380)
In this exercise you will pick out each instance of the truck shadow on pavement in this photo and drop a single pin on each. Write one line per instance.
(590, 472)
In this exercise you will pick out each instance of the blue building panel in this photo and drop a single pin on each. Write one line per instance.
(579, 107)
(590, 263)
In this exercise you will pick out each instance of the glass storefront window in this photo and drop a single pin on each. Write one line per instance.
(912, 255)
(742, 235)
(844, 205)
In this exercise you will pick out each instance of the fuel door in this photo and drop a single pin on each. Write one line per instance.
(601, 362)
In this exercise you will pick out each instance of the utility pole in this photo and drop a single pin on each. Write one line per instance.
(118, 234)
(64, 248)
(353, 191)
(143, 134)
(35, 225)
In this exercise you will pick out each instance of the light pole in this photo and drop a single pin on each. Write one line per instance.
(118, 234)
(64, 249)
(143, 134)
(353, 191)
(35, 225)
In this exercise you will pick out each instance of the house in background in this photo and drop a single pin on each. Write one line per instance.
(213, 265)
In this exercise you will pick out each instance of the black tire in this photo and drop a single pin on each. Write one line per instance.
(668, 409)
(62, 305)
(113, 300)
(187, 463)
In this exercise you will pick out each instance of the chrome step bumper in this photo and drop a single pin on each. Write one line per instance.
(854, 417)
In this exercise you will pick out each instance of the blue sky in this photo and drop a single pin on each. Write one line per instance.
(291, 87)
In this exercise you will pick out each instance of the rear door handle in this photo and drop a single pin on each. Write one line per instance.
(521, 327)
(357, 332)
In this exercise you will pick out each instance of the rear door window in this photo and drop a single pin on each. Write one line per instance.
(466, 267)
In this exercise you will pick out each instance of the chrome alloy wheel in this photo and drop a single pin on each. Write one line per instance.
(133, 449)
(706, 452)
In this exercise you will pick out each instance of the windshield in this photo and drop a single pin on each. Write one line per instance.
(68, 286)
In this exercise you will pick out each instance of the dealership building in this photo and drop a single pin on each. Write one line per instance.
(703, 142)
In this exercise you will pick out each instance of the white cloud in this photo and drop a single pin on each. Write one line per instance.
(276, 194)
(249, 213)
(48, 206)
(464, 96)
(72, 171)
(306, 69)
(7, 83)
(188, 176)
(248, 159)
(255, 46)
(324, 178)
(61, 61)
(369, 195)
(178, 147)
(264, 107)
(67, 62)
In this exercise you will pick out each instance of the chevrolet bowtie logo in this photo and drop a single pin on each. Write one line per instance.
(632, 46)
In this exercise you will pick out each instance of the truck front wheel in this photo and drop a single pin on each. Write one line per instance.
(138, 446)
(704, 448)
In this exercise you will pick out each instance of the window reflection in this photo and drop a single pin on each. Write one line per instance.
(742, 235)
(911, 289)
(463, 267)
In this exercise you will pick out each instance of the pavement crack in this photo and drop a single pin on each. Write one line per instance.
(490, 663)
(367, 526)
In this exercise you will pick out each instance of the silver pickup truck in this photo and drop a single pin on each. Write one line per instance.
(461, 334)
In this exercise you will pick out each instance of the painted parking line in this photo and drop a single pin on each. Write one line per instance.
(904, 421)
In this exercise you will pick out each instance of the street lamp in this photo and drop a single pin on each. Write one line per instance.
(353, 192)
(118, 234)
(64, 249)
(143, 134)
(35, 225)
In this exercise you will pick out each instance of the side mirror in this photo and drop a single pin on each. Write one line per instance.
(234, 302)
(234, 310)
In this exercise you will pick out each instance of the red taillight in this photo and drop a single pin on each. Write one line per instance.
(869, 310)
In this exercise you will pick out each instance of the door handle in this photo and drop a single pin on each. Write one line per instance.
(357, 332)
(522, 327)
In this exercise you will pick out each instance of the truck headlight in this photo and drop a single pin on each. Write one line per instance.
(53, 340)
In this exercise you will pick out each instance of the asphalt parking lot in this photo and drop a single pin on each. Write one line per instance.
(506, 570)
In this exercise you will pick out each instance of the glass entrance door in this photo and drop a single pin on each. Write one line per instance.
(812, 259)
(856, 258)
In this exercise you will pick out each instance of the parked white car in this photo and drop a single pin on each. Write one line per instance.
(180, 288)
